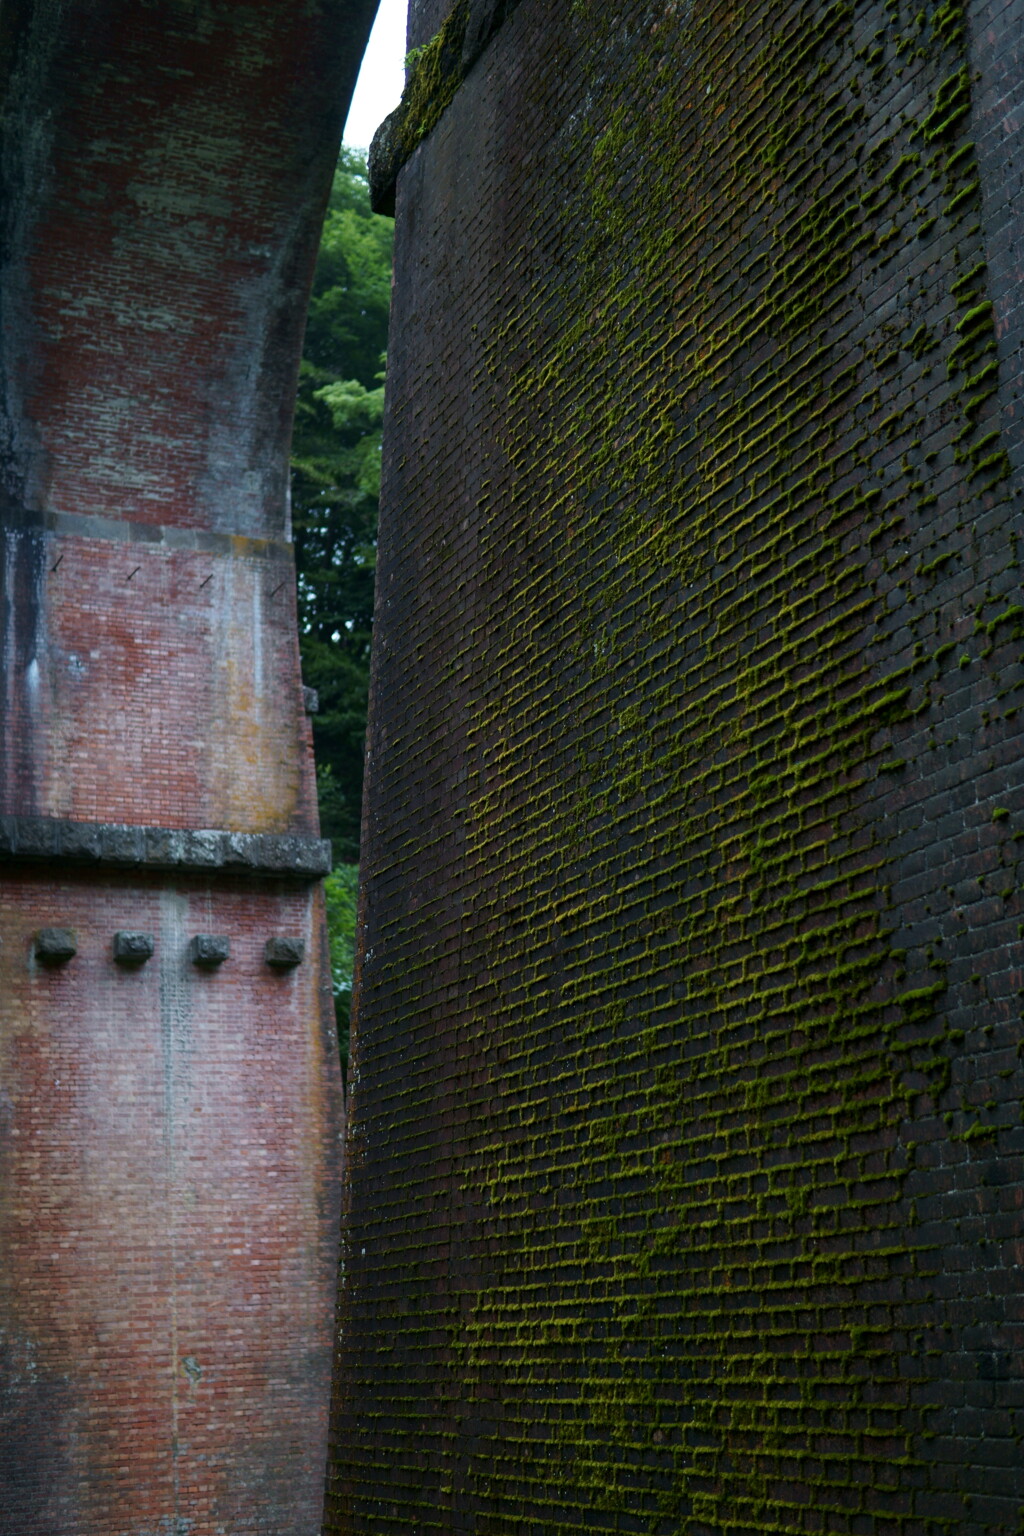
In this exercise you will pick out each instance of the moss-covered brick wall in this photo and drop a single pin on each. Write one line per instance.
(685, 1160)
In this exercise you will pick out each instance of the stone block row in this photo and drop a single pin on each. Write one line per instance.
(56, 946)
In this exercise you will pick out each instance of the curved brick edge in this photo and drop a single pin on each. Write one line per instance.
(440, 68)
(127, 847)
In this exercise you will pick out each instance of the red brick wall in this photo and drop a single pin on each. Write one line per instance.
(686, 1140)
(165, 190)
(169, 1167)
(165, 174)
(172, 694)
(169, 1136)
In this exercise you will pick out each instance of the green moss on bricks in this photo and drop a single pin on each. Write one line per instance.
(436, 75)
(633, 457)
(952, 104)
(658, 1128)
(436, 70)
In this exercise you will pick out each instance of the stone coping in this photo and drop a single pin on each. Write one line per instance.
(206, 851)
(83, 525)
(437, 72)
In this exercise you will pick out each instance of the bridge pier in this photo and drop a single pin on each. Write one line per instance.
(170, 1096)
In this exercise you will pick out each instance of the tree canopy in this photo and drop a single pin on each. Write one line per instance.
(335, 486)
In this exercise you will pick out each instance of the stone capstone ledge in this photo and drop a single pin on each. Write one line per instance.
(163, 848)
(81, 525)
(437, 71)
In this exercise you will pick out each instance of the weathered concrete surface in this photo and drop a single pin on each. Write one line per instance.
(169, 1132)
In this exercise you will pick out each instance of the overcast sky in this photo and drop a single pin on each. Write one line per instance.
(381, 78)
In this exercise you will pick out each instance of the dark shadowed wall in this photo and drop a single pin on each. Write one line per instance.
(425, 19)
(686, 1144)
(169, 1128)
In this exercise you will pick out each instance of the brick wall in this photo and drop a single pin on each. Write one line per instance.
(164, 180)
(168, 1154)
(170, 692)
(169, 1133)
(425, 19)
(686, 1133)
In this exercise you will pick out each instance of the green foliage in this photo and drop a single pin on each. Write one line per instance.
(341, 890)
(335, 486)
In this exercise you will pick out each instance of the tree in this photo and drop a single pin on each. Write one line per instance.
(335, 486)
(341, 889)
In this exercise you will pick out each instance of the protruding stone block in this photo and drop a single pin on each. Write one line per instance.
(204, 848)
(209, 949)
(38, 837)
(164, 847)
(133, 948)
(283, 953)
(80, 840)
(54, 946)
(123, 845)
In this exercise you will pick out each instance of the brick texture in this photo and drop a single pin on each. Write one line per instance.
(169, 1166)
(425, 19)
(170, 1155)
(686, 1140)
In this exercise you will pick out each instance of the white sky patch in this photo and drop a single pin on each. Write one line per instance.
(381, 77)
